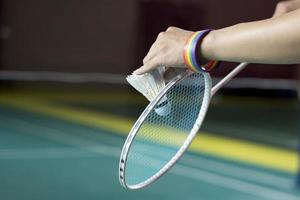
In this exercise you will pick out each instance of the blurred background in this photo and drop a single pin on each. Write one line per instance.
(65, 106)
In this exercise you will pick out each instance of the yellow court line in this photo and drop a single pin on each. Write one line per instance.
(248, 152)
(94, 119)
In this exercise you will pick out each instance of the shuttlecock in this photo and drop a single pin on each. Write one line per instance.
(150, 85)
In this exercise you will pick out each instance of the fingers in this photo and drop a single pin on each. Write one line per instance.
(173, 28)
(153, 48)
(152, 64)
(157, 45)
(166, 50)
(152, 59)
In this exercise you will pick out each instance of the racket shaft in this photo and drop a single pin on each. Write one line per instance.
(227, 78)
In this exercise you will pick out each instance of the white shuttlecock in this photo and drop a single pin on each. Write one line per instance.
(150, 85)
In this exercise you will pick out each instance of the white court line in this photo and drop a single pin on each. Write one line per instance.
(181, 170)
(60, 136)
(233, 184)
(68, 77)
(193, 161)
(43, 153)
(238, 172)
(223, 181)
(188, 172)
(110, 78)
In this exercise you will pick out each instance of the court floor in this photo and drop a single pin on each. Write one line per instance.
(66, 145)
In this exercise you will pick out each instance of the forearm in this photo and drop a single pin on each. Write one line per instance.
(275, 40)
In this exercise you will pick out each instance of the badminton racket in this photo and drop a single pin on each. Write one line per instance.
(156, 142)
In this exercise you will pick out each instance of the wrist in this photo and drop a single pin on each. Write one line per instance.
(192, 53)
(206, 50)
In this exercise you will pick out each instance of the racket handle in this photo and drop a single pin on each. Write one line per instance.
(227, 78)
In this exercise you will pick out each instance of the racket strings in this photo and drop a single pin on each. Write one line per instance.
(165, 134)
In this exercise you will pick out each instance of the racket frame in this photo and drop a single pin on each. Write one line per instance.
(228, 77)
(133, 132)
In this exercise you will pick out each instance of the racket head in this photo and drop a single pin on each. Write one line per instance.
(153, 134)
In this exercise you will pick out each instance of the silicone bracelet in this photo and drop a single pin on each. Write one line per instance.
(190, 53)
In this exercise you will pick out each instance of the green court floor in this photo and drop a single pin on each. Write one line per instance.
(61, 146)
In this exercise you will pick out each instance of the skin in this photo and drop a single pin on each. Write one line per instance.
(284, 7)
(271, 41)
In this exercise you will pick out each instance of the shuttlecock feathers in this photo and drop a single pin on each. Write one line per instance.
(150, 85)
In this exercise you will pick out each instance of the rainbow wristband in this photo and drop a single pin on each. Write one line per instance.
(190, 53)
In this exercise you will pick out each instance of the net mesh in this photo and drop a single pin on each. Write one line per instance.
(160, 137)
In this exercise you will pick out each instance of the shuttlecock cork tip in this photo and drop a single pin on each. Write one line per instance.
(163, 109)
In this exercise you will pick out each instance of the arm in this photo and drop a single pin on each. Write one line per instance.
(275, 40)
(284, 7)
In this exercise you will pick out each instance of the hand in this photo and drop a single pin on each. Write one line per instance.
(166, 51)
(284, 7)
